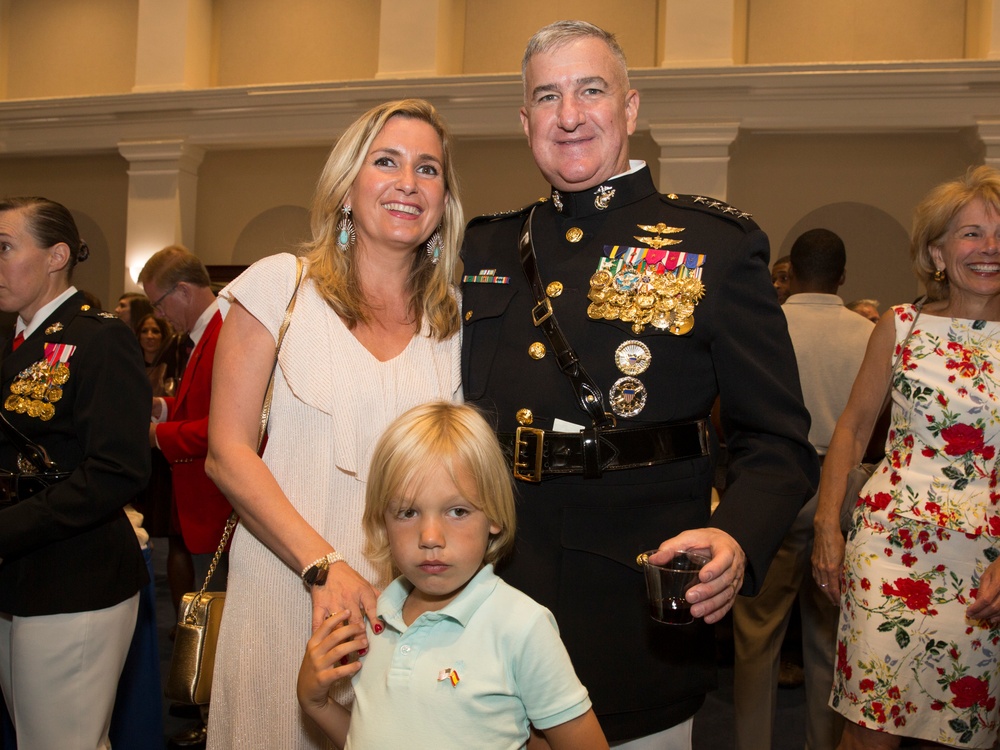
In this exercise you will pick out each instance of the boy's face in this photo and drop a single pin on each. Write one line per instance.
(438, 537)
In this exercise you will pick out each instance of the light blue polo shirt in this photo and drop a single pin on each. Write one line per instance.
(512, 668)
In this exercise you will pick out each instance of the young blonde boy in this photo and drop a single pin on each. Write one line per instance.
(455, 658)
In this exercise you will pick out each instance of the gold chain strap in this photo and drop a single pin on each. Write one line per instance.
(265, 413)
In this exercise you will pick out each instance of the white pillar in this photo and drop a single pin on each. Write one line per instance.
(162, 188)
(694, 156)
(420, 38)
(697, 33)
(989, 134)
(173, 45)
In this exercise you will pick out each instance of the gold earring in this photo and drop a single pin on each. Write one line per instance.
(939, 275)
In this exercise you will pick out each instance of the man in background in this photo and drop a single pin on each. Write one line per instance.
(178, 284)
(829, 342)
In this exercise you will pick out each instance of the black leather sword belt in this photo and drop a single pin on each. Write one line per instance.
(538, 454)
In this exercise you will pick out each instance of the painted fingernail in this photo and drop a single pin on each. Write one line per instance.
(343, 662)
(378, 628)
(362, 652)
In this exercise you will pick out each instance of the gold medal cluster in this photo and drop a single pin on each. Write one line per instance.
(665, 301)
(36, 389)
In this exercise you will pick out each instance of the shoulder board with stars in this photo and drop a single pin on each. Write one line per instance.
(711, 205)
(501, 215)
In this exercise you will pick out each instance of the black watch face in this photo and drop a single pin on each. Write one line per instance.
(316, 575)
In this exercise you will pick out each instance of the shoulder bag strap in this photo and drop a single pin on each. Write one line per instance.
(265, 413)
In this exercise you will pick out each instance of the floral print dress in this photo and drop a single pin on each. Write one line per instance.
(909, 662)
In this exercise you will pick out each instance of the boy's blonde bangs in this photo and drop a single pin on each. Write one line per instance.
(455, 436)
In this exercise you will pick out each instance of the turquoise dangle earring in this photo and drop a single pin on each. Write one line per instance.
(346, 237)
(434, 246)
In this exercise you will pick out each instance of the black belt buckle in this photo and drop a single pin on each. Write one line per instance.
(521, 437)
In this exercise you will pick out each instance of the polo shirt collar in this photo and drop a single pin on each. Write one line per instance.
(815, 298)
(461, 610)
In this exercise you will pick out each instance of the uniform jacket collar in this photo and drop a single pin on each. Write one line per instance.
(615, 193)
(33, 348)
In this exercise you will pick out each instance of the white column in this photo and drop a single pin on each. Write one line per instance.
(694, 156)
(162, 188)
(173, 45)
(420, 38)
(989, 134)
(697, 33)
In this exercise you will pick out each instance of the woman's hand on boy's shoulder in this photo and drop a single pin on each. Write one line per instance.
(345, 591)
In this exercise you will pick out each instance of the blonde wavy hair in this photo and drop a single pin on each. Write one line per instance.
(455, 436)
(932, 220)
(335, 273)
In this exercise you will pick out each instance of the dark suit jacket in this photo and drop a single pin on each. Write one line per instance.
(70, 548)
(577, 539)
(183, 439)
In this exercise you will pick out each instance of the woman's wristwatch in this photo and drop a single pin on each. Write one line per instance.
(315, 573)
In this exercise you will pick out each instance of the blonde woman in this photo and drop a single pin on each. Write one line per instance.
(372, 334)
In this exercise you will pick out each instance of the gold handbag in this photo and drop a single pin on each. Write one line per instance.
(193, 659)
(200, 615)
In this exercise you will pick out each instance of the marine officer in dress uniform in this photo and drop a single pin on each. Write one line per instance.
(72, 382)
(600, 325)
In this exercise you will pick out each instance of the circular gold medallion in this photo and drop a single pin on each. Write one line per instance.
(554, 289)
(574, 234)
(47, 412)
(60, 374)
(524, 417)
(11, 403)
(34, 408)
(536, 350)
(633, 357)
(54, 394)
(680, 327)
(600, 279)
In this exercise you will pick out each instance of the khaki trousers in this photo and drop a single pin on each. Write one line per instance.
(759, 625)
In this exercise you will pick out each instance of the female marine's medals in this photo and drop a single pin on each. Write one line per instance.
(37, 387)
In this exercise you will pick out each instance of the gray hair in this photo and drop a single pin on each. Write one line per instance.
(862, 303)
(563, 32)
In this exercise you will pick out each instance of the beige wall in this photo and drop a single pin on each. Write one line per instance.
(863, 187)
(496, 32)
(69, 47)
(95, 190)
(235, 187)
(793, 31)
(263, 41)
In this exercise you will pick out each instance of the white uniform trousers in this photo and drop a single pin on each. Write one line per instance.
(59, 674)
(759, 625)
(676, 738)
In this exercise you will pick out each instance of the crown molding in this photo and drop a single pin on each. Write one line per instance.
(832, 98)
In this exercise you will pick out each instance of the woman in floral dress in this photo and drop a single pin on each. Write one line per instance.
(918, 581)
